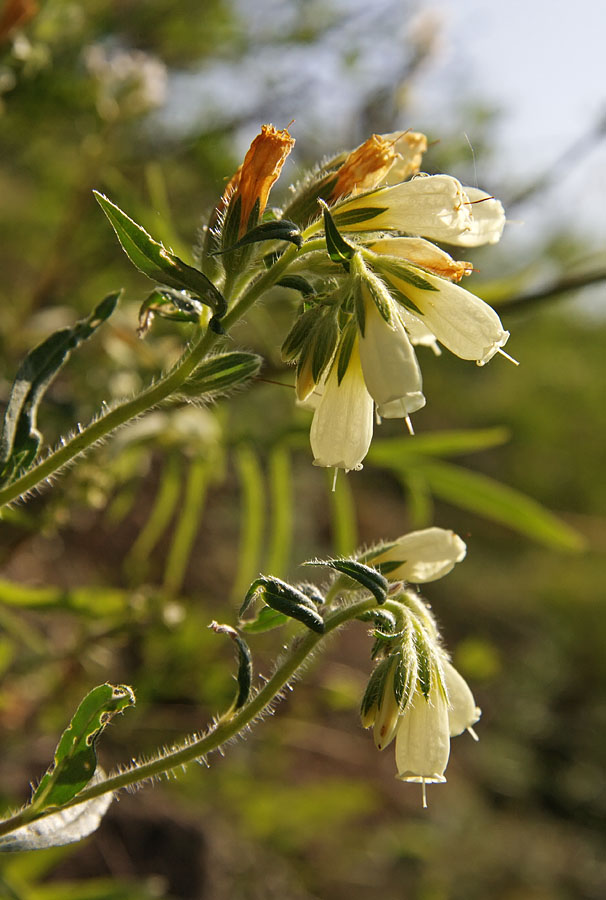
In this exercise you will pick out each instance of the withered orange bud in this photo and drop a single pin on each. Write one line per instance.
(365, 168)
(255, 177)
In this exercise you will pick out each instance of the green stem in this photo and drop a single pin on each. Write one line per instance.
(226, 728)
(155, 393)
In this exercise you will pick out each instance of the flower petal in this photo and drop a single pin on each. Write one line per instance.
(462, 709)
(427, 555)
(423, 740)
(389, 364)
(341, 430)
(467, 326)
(487, 220)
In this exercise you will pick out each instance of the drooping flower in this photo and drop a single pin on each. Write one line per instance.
(462, 710)
(390, 367)
(422, 556)
(341, 430)
(423, 739)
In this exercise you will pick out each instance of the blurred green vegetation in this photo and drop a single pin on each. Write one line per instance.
(95, 588)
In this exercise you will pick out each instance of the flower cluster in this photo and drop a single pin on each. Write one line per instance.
(391, 289)
(415, 694)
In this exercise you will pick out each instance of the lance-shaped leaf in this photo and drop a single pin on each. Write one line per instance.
(220, 372)
(297, 283)
(154, 260)
(375, 689)
(284, 598)
(20, 438)
(356, 216)
(366, 576)
(245, 668)
(267, 620)
(277, 230)
(168, 303)
(64, 827)
(75, 757)
(339, 250)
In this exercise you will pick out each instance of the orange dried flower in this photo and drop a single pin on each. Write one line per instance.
(365, 168)
(255, 177)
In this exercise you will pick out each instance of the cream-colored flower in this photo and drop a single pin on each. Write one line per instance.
(420, 252)
(389, 364)
(423, 739)
(341, 430)
(463, 323)
(424, 555)
(434, 206)
(462, 710)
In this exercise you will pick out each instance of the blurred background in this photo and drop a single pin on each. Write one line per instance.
(116, 573)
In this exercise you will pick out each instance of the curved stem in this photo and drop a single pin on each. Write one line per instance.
(225, 729)
(154, 394)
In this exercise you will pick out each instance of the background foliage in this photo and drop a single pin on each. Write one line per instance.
(116, 574)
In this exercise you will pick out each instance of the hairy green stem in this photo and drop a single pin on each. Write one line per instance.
(225, 729)
(156, 392)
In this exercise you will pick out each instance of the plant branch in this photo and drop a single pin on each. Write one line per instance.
(225, 729)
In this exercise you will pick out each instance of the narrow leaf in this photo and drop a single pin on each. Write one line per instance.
(368, 577)
(20, 438)
(375, 688)
(338, 248)
(158, 263)
(345, 350)
(245, 668)
(222, 371)
(390, 452)
(297, 283)
(500, 503)
(75, 757)
(357, 216)
(267, 620)
(276, 230)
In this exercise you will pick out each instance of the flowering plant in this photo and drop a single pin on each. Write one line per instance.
(354, 244)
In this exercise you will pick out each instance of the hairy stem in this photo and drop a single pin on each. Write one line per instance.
(225, 729)
(155, 393)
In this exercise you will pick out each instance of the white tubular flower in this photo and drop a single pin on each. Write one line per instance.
(425, 555)
(423, 739)
(389, 364)
(462, 710)
(341, 430)
(419, 334)
(434, 206)
(487, 219)
(463, 323)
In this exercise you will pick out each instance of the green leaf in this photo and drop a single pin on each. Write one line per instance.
(375, 689)
(393, 266)
(356, 216)
(301, 330)
(284, 598)
(325, 336)
(20, 439)
(168, 303)
(64, 827)
(424, 659)
(266, 620)
(158, 263)
(339, 250)
(276, 230)
(297, 283)
(486, 497)
(222, 371)
(390, 452)
(368, 577)
(75, 757)
(245, 669)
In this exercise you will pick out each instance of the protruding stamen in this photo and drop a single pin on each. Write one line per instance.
(507, 356)
(334, 480)
(409, 425)
(424, 788)
(378, 419)
(473, 734)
